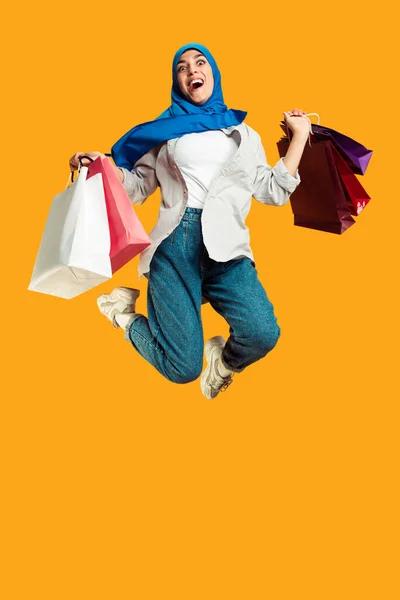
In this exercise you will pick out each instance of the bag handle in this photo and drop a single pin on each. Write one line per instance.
(71, 175)
(306, 115)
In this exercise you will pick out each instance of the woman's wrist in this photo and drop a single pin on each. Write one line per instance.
(294, 152)
(300, 136)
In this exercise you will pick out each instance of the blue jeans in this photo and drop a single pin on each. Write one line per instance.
(171, 336)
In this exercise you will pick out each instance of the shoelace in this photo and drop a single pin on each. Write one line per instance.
(226, 384)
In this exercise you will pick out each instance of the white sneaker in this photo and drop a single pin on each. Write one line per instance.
(121, 300)
(211, 382)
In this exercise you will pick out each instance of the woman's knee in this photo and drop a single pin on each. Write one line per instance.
(185, 373)
(265, 337)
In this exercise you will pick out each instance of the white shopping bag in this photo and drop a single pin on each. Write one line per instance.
(74, 253)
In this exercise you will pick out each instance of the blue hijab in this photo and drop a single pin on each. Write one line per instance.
(181, 117)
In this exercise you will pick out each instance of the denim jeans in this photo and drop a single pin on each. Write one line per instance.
(171, 336)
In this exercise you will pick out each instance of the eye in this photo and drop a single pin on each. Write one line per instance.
(201, 60)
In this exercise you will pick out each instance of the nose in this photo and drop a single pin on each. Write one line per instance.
(192, 70)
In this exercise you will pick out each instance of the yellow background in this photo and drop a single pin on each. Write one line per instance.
(118, 484)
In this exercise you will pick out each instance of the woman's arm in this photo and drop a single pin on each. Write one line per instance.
(298, 123)
(272, 185)
(139, 183)
(295, 151)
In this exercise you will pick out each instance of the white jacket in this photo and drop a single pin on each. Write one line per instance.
(227, 203)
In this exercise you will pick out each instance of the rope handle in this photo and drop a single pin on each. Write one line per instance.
(71, 175)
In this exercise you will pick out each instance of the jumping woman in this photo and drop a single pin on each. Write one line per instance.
(208, 164)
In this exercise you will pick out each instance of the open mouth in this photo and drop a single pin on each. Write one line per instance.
(195, 85)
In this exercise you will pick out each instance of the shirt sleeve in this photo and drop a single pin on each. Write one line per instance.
(273, 185)
(141, 181)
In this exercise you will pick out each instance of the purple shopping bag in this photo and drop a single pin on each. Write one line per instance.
(355, 154)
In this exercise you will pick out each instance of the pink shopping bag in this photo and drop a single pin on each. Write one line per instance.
(128, 237)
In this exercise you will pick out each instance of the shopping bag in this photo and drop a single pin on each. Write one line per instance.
(357, 196)
(74, 252)
(127, 235)
(355, 154)
(320, 201)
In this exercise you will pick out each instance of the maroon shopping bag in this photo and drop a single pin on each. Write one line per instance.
(321, 201)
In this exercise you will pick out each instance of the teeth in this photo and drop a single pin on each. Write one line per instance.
(195, 81)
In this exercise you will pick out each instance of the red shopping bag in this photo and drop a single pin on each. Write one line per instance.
(128, 237)
(321, 200)
(357, 197)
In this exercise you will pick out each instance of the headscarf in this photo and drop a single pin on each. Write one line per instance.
(180, 118)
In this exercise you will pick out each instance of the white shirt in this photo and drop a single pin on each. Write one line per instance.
(227, 202)
(200, 157)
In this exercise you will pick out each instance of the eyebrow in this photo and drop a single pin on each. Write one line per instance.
(195, 56)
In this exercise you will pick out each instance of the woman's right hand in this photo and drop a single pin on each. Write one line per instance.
(74, 160)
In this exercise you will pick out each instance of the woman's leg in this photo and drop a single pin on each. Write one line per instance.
(234, 291)
(171, 336)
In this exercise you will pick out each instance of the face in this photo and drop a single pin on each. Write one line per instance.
(193, 67)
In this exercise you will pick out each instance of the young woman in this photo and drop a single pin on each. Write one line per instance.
(209, 164)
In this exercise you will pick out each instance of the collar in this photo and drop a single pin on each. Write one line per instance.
(230, 128)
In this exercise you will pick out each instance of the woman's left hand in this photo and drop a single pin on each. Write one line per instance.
(297, 122)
